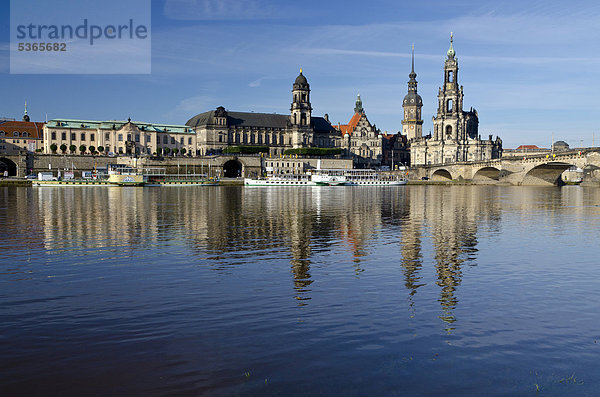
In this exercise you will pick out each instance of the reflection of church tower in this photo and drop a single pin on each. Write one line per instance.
(448, 122)
(412, 125)
(300, 116)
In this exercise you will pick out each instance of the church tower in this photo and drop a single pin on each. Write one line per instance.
(358, 107)
(448, 122)
(412, 125)
(300, 110)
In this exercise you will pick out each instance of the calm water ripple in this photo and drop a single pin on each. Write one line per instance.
(417, 290)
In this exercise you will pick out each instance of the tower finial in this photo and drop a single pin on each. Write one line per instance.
(451, 52)
(25, 115)
(412, 70)
(300, 70)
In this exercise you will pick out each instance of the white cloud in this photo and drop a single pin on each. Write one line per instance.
(203, 10)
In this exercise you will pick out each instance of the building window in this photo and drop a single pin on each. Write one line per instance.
(107, 136)
(83, 136)
(220, 138)
(181, 140)
(172, 141)
(120, 137)
(449, 105)
(92, 137)
(129, 137)
(53, 134)
(137, 137)
(147, 138)
(15, 133)
(189, 141)
(64, 136)
(73, 137)
(165, 140)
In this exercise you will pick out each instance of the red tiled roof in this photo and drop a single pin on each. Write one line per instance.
(527, 147)
(348, 128)
(33, 129)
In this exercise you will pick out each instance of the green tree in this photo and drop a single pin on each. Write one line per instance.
(183, 151)
(167, 150)
(53, 147)
(63, 148)
(159, 151)
(72, 148)
(82, 149)
(92, 149)
(101, 149)
(175, 151)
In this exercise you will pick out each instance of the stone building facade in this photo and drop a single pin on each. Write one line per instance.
(118, 137)
(361, 140)
(218, 129)
(455, 135)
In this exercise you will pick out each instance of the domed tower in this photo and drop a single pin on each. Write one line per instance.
(25, 115)
(300, 110)
(358, 107)
(412, 125)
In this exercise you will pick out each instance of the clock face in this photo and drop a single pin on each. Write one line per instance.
(412, 101)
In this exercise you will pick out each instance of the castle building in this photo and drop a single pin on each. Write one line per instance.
(360, 139)
(455, 131)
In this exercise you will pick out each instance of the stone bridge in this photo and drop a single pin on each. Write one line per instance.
(537, 170)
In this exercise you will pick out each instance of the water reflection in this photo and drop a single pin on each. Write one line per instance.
(346, 230)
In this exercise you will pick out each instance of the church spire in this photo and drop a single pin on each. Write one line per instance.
(412, 83)
(451, 52)
(25, 115)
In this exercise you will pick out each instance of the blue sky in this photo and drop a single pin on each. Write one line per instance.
(531, 69)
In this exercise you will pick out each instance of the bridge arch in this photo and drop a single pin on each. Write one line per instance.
(8, 165)
(232, 169)
(546, 174)
(487, 174)
(441, 175)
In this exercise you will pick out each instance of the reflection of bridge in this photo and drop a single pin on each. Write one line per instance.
(526, 170)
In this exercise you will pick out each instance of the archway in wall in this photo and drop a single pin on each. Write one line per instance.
(441, 176)
(8, 165)
(232, 169)
(546, 174)
(487, 174)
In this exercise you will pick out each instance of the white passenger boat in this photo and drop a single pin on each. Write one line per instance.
(281, 180)
(367, 177)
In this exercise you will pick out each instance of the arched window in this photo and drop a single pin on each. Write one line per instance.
(448, 131)
(450, 76)
(449, 107)
(15, 133)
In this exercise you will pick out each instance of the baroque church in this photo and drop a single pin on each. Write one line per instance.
(455, 131)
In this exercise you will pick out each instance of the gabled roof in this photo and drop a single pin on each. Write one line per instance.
(349, 128)
(530, 147)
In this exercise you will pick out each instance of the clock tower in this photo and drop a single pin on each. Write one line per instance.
(412, 124)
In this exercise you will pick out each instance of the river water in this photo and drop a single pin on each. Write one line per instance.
(412, 290)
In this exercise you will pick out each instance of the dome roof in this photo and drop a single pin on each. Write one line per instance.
(412, 98)
(301, 81)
